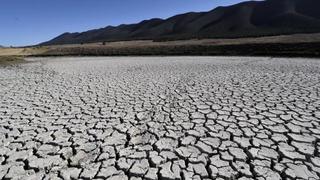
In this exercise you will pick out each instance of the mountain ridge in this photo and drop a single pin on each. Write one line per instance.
(245, 19)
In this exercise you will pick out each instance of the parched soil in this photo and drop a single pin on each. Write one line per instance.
(160, 118)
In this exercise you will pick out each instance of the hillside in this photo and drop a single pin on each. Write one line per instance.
(247, 19)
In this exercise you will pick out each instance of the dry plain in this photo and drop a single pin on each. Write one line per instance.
(295, 45)
(160, 118)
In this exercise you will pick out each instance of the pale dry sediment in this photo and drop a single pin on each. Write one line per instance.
(160, 118)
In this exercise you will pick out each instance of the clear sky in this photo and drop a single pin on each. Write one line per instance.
(27, 22)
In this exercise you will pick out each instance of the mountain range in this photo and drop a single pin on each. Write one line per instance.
(246, 19)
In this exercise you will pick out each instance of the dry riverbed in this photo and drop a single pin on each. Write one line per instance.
(160, 118)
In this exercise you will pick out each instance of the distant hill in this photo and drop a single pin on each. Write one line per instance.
(246, 19)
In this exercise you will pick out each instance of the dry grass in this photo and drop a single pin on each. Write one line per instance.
(11, 60)
(12, 56)
(270, 45)
(295, 38)
(28, 51)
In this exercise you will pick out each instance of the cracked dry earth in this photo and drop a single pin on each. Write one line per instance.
(160, 118)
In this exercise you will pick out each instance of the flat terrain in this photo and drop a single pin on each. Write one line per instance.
(297, 45)
(160, 118)
(22, 51)
(11, 60)
(294, 38)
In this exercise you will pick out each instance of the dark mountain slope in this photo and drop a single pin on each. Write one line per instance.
(252, 18)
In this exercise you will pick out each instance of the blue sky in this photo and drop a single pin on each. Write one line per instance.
(27, 22)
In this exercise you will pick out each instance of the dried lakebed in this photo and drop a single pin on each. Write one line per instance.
(160, 118)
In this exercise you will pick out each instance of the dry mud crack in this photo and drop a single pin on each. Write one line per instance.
(160, 118)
